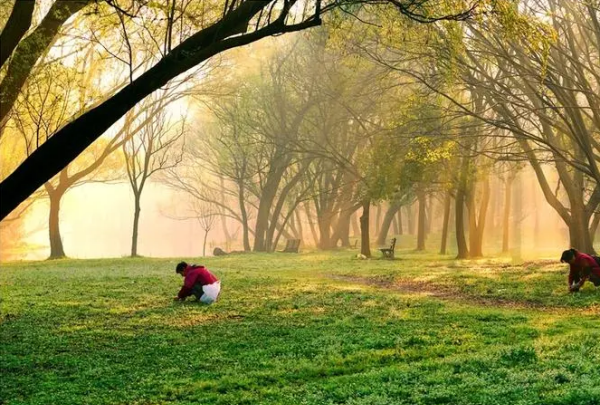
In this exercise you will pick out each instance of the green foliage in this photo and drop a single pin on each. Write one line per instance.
(314, 328)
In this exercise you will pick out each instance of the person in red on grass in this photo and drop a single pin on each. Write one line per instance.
(582, 268)
(198, 281)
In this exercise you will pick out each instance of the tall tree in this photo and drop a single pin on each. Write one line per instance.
(151, 149)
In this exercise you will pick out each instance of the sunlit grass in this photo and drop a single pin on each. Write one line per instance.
(315, 328)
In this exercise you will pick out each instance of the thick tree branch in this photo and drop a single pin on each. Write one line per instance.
(17, 25)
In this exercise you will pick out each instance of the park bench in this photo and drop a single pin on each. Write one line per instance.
(389, 252)
(291, 246)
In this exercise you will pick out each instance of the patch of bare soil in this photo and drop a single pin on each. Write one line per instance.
(449, 293)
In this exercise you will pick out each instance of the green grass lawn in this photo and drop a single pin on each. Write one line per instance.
(313, 328)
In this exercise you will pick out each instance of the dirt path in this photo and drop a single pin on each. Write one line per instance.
(448, 293)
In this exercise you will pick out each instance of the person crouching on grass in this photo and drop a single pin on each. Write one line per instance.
(581, 268)
(198, 281)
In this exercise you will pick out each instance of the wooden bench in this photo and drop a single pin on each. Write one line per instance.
(291, 246)
(389, 252)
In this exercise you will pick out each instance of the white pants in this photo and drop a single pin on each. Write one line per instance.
(211, 292)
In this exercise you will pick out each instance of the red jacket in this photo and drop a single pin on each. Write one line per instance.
(584, 266)
(195, 275)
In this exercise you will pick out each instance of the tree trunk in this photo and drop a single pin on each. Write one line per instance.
(365, 248)
(292, 228)
(446, 221)
(387, 221)
(228, 237)
(269, 192)
(508, 184)
(378, 219)
(244, 215)
(536, 217)
(477, 219)
(342, 229)
(355, 225)
(421, 228)
(409, 219)
(281, 231)
(579, 233)
(400, 230)
(300, 231)
(430, 205)
(396, 230)
(311, 224)
(204, 243)
(277, 208)
(594, 227)
(136, 221)
(324, 223)
(517, 218)
(15, 28)
(56, 245)
(461, 241)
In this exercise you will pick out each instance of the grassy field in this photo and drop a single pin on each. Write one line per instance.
(314, 328)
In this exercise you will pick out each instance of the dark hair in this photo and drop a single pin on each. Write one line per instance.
(567, 255)
(180, 267)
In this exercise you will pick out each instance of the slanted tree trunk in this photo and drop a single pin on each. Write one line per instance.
(281, 232)
(365, 243)
(15, 28)
(389, 216)
(445, 222)
(421, 228)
